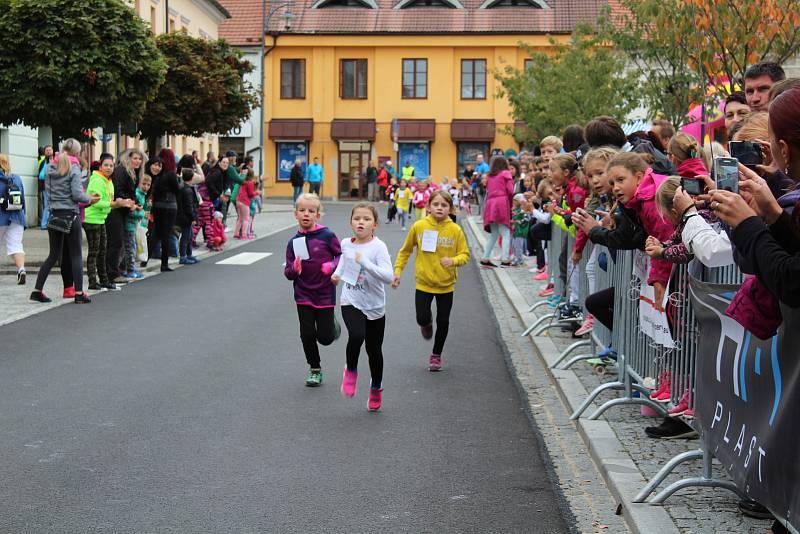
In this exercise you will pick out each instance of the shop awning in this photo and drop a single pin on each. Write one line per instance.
(472, 130)
(353, 129)
(413, 130)
(291, 129)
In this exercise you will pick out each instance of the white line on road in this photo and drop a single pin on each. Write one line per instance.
(245, 258)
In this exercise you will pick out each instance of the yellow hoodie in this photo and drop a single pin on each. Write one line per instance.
(432, 277)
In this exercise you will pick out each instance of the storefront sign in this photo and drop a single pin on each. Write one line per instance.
(288, 153)
(419, 155)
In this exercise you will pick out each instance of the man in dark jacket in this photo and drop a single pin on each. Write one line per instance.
(297, 178)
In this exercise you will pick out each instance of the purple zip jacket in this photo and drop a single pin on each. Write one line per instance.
(313, 286)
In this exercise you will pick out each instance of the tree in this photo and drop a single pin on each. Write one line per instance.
(75, 65)
(647, 35)
(204, 91)
(573, 84)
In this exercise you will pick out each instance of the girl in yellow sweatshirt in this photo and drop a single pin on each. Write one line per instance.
(441, 248)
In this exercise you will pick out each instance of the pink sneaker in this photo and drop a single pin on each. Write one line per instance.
(435, 363)
(541, 276)
(682, 406)
(349, 379)
(665, 383)
(547, 292)
(689, 413)
(586, 327)
(375, 398)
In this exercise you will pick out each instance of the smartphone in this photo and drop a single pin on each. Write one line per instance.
(747, 152)
(693, 186)
(726, 174)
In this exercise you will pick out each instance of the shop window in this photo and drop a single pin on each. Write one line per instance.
(473, 79)
(415, 78)
(293, 78)
(353, 79)
(467, 153)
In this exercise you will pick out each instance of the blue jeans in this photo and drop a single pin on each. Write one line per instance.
(185, 244)
(498, 230)
(45, 210)
(298, 190)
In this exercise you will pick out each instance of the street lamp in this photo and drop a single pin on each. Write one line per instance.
(266, 16)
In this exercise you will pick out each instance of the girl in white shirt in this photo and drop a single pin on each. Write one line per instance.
(365, 266)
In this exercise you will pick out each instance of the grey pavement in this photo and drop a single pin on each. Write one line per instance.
(178, 405)
(618, 438)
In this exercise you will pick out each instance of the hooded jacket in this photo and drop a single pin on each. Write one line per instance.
(312, 285)
(65, 192)
(692, 168)
(497, 206)
(103, 186)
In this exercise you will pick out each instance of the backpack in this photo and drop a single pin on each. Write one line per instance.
(12, 199)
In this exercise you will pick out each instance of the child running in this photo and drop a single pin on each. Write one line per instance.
(314, 293)
(402, 201)
(364, 267)
(441, 248)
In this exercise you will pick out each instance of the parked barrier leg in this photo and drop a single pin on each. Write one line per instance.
(542, 328)
(664, 472)
(538, 322)
(568, 350)
(535, 306)
(706, 480)
(628, 400)
(576, 359)
(593, 395)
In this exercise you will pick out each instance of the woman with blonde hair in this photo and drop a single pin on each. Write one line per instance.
(12, 216)
(63, 183)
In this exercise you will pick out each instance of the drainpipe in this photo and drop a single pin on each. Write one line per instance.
(264, 52)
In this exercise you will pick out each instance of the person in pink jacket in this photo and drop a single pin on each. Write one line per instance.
(247, 192)
(497, 210)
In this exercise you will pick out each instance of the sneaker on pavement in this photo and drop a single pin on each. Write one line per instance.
(569, 312)
(349, 380)
(586, 327)
(681, 407)
(554, 301)
(488, 264)
(754, 509)
(39, 296)
(82, 298)
(314, 378)
(21, 275)
(426, 331)
(434, 363)
(689, 413)
(111, 287)
(375, 399)
(608, 352)
(95, 287)
(662, 394)
(541, 277)
(121, 280)
(69, 292)
(671, 428)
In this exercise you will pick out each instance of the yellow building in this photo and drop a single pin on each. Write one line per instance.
(353, 81)
(199, 18)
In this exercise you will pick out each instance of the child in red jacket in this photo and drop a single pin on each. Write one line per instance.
(217, 237)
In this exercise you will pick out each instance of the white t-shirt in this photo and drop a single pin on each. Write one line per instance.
(368, 294)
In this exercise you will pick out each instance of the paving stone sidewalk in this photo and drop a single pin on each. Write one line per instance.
(693, 510)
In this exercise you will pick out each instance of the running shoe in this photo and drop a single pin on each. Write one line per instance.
(586, 327)
(671, 428)
(21, 275)
(547, 292)
(39, 296)
(665, 384)
(689, 413)
(82, 298)
(427, 331)
(349, 380)
(314, 378)
(69, 292)
(569, 312)
(541, 276)
(375, 399)
(554, 301)
(434, 363)
(608, 352)
(681, 407)
(488, 264)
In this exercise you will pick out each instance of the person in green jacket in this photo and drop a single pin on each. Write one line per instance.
(95, 219)
(232, 182)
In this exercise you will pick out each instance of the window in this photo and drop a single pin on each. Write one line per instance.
(473, 79)
(293, 78)
(536, 4)
(528, 63)
(370, 4)
(429, 3)
(353, 79)
(153, 20)
(415, 78)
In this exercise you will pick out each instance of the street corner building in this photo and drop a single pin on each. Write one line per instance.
(355, 81)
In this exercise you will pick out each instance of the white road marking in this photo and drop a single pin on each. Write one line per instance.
(245, 258)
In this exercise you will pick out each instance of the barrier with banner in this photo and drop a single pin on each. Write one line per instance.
(747, 402)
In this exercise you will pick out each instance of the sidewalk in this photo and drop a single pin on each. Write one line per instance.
(626, 457)
(14, 301)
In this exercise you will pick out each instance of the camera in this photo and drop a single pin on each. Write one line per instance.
(692, 186)
(726, 174)
(747, 153)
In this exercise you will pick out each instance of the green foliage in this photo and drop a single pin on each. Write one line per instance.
(573, 84)
(668, 84)
(74, 65)
(204, 91)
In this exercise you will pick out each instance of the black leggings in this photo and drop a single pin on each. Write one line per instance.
(164, 222)
(316, 326)
(537, 235)
(360, 331)
(444, 303)
(601, 305)
(67, 248)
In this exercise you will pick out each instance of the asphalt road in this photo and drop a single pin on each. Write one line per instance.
(179, 405)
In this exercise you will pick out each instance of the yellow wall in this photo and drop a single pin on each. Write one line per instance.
(198, 19)
(384, 56)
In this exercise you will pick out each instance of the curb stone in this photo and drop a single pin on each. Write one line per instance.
(621, 474)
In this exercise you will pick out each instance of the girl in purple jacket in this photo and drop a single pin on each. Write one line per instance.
(311, 257)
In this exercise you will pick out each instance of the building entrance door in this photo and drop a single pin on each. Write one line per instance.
(353, 160)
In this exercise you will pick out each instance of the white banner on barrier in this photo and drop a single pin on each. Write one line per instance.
(651, 321)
